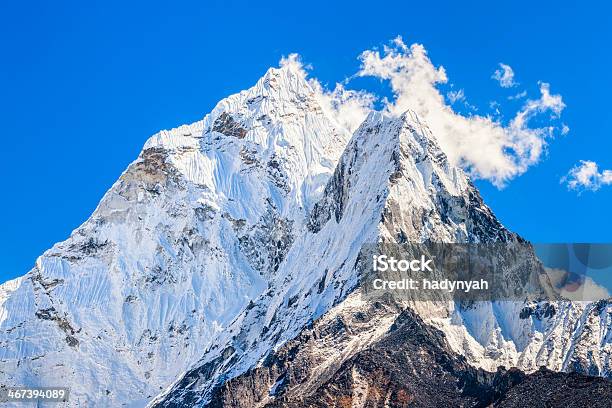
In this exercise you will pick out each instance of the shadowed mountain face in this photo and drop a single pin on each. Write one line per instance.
(391, 185)
(226, 267)
(411, 366)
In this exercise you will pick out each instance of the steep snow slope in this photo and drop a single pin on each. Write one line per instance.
(392, 184)
(189, 234)
(5, 291)
(227, 238)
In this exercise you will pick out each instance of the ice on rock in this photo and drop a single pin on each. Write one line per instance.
(392, 184)
(226, 238)
(182, 242)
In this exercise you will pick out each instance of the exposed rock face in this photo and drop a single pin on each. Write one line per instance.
(392, 184)
(225, 266)
(411, 365)
(185, 239)
(228, 126)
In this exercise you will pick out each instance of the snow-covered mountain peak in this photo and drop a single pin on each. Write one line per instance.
(281, 96)
(392, 183)
(398, 160)
(188, 235)
(285, 82)
(232, 235)
(274, 134)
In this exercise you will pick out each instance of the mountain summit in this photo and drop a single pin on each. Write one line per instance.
(234, 246)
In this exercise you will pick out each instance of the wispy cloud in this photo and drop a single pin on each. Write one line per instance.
(586, 176)
(519, 95)
(484, 146)
(455, 96)
(504, 75)
(564, 129)
(546, 102)
(347, 107)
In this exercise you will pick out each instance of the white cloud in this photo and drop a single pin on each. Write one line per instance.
(484, 147)
(294, 62)
(495, 106)
(564, 129)
(586, 176)
(546, 102)
(519, 95)
(455, 96)
(505, 76)
(347, 107)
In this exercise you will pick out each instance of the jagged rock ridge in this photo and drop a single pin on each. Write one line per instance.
(188, 235)
(412, 365)
(392, 184)
(228, 238)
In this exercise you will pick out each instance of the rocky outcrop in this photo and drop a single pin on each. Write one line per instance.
(185, 239)
(412, 365)
(392, 185)
(226, 266)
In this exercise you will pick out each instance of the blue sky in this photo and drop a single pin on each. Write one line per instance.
(84, 86)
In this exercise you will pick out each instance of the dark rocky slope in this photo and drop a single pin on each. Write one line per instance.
(411, 366)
